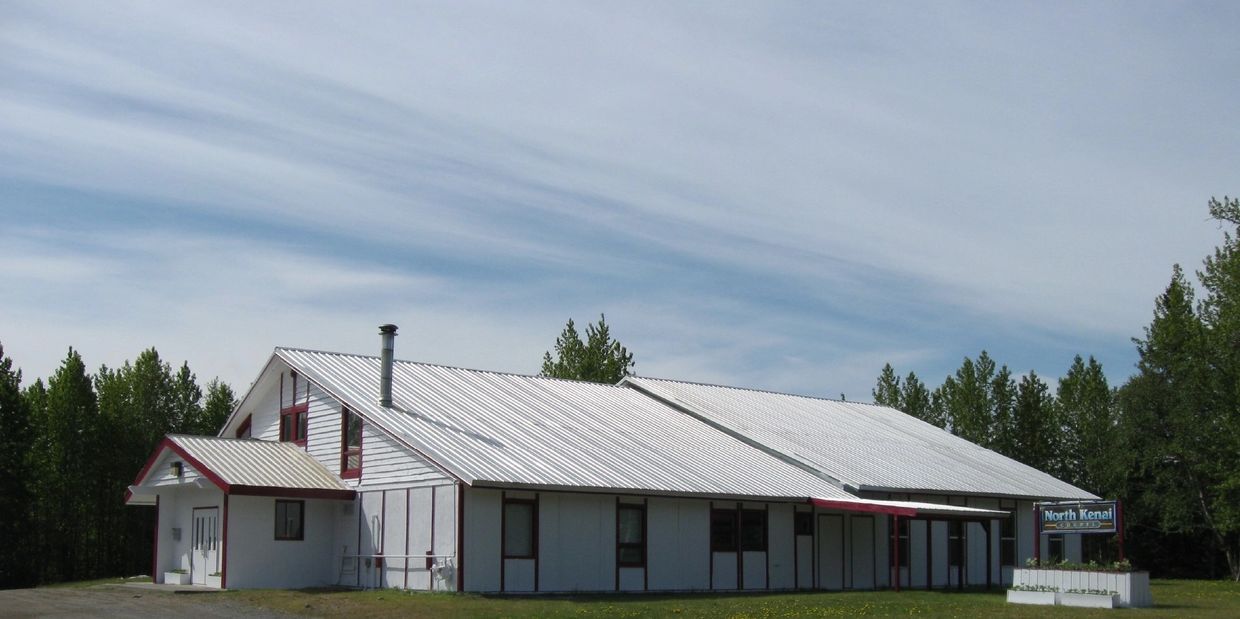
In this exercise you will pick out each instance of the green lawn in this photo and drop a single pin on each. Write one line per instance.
(1173, 598)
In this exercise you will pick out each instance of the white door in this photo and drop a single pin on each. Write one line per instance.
(830, 552)
(204, 554)
(862, 551)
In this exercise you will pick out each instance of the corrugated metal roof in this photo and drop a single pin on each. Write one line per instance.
(491, 428)
(264, 464)
(865, 446)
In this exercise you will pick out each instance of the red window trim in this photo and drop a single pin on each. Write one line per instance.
(244, 428)
(289, 414)
(345, 452)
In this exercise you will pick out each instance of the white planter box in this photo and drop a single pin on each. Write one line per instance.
(1039, 598)
(213, 581)
(1089, 600)
(1133, 587)
(176, 578)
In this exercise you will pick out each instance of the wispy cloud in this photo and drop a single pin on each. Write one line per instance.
(776, 195)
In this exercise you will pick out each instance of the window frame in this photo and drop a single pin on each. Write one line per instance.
(733, 541)
(763, 524)
(280, 535)
(640, 545)
(345, 449)
(294, 418)
(903, 535)
(955, 539)
(245, 430)
(507, 522)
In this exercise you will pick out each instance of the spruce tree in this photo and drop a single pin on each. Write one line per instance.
(915, 400)
(887, 391)
(15, 476)
(598, 359)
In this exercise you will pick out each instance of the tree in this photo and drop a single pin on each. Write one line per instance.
(915, 400)
(1086, 408)
(15, 474)
(598, 359)
(1003, 399)
(1034, 423)
(966, 399)
(219, 405)
(887, 391)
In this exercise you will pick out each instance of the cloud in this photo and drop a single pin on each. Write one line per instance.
(775, 195)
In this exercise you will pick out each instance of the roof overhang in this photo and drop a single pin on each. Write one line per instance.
(910, 509)
(137, 494)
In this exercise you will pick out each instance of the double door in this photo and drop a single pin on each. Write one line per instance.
(205, 550)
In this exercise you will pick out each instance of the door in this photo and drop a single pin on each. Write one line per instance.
(831, 552)
(205, 551)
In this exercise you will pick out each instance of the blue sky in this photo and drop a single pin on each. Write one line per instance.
(774, 195)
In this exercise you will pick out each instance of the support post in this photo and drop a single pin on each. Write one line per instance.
(986, 530)
(1037, 535)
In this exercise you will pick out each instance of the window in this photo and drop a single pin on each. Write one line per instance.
(294, 415)
(518, 529)
(753, 530)
(630, 535)
(723, 530)
(1007, 535)
(902, 541)
(351, 445)
(955, 534)
(290, 520)
(1054, 548)
(243, 430)
(803, 522)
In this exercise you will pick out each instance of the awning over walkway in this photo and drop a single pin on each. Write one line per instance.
(910, 509)
(240, 467)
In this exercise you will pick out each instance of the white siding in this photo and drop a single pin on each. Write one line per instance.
(780, 544)
(257, 560)
(577, 542)
(679, 544)
(388, 464)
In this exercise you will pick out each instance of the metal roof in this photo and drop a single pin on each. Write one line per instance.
(865, 446)
(257, 464)
(508, 430)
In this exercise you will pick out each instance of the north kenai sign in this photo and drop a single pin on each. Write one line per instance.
(1079, 518)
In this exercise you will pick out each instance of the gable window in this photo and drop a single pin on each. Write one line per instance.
(243, 430)
(294, 413)
(290, 520)
(351, 445)
(753, 530)
(630, 535)
(519, 529)
(723, 530)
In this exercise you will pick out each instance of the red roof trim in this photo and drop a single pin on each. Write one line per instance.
(168, 443)
(869, 508)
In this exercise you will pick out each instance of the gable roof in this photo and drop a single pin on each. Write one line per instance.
(249, 467)
(508, 430)
(865, 446)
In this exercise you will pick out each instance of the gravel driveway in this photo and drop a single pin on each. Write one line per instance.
(122, 601)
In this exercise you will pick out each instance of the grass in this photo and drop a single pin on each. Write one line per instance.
(1173, 598)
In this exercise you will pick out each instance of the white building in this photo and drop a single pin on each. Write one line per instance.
(345, 469)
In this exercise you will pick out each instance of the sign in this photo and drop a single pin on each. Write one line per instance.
(1095, 517)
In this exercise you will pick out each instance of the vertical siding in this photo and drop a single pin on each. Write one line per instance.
(679, 544)
(780, 545)
(482, 539)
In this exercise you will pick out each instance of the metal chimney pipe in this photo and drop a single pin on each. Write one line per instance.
(388, 337)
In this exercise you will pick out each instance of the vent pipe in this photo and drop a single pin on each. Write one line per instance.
(387, 335)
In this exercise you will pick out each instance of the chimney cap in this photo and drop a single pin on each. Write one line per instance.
(387, 329)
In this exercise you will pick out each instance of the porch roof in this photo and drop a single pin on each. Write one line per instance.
(247, 467)
(910, 509)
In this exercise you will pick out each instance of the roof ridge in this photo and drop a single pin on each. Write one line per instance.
(450, 367)
(759, 390)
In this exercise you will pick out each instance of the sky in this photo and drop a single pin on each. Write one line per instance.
(779, 195)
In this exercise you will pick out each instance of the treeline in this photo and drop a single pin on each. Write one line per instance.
(70, 447)
(1166, 441)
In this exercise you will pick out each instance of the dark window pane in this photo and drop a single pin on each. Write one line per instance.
(804, 523)
(353, 435)
(301, 425)
(630, 525)
(631, 556)
(954, 530)
(518, 530)
(723, 531)
(289, 520)
(753, 530)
